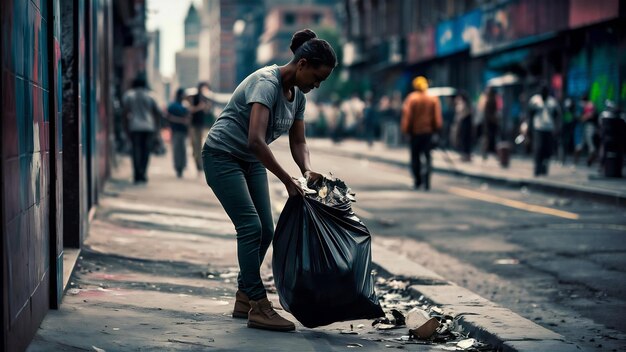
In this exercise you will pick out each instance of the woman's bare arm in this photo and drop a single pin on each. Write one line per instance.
(259, 117)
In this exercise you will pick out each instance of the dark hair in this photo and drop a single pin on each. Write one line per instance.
(180, 94)
(463, 95)
(203, 84)
(306, 45)
(140, 81)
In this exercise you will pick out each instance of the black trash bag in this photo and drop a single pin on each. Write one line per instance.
(322, 263)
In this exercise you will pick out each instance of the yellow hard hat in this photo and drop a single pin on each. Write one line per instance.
(420, 83)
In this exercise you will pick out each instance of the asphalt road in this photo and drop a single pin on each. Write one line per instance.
(555, 260)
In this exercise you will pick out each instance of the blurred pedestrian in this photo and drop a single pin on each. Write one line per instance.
(588, 119)
(390, 111)
(544, 113)
(266, 104)
(421, 118)
(352, 114)
(463, 121)
(491, 112)
(201, 119)
(180, 119)
(332, 115)
(568, 123)
(447, 113)
(142, 116)
(370, 119)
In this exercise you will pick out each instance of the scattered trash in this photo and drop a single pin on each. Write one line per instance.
(427, 324)
(229, 275)
(207, 339)
(506, 261)
(348, 332)
(385, 323)
(416, 317)
(467, 343)
(73, 291)
(436, 310)
(329, 190)
(426, 330)
(352, 345)
(98, 349)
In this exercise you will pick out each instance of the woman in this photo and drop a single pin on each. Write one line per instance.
(235, 156)
(179, 118)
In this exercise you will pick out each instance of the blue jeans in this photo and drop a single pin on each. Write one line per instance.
(242, 189)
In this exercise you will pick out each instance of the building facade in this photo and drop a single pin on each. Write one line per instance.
(187, 59)
(228, 40)
(59, 81)
(514, 45)
(153, 68)
(282, 21)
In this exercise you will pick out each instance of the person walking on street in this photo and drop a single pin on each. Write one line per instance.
(142, 116)
(179, 118)
(421, 117)
(370, 119)
(544, 112)
(266, 104)
(491, 109)
(463, 121)
(589, 121)
(568, 124)
(201, 118)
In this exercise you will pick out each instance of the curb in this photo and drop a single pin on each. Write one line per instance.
(604, 196)
(498, 326)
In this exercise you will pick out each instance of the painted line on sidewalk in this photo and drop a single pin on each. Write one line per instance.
(512, 203)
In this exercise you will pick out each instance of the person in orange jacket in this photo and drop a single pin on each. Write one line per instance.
(421, 118)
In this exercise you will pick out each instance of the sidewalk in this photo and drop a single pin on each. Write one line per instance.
(562, 179)
(157, 272)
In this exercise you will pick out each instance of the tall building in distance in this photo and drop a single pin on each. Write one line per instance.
(235, 32)
(187, 64)
(228, 41)
(192, 27)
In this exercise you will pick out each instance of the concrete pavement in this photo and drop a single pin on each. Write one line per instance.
(572, 180)
(157, 273)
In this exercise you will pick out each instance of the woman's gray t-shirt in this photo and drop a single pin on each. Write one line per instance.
(230, 132)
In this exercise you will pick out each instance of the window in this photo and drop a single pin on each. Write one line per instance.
(317, 18)
(289, 19)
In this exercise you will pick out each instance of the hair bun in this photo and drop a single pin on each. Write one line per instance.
(301, 37)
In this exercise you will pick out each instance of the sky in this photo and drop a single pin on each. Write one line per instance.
(169, 17)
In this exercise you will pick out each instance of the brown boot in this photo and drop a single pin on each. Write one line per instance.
(263, 316)
(242, 305)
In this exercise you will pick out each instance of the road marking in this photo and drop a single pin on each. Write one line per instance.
(512, 203)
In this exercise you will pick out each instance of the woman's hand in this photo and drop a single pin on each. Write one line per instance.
(293, 187)
(312, 177)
